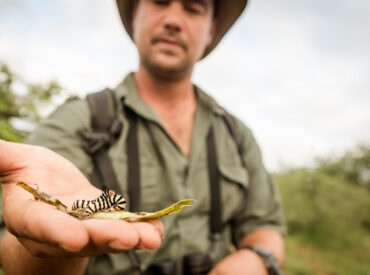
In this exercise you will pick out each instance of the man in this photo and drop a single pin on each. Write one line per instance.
(180, 131)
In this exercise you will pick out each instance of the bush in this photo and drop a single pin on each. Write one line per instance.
(22, 102)
(324, 209)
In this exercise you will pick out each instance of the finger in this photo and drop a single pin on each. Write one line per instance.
(158, 226)
(22, 162)
(15, 155)
(11, 156)
(149, 235)
(116, 235)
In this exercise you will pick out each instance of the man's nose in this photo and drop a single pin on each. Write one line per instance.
(174, 16)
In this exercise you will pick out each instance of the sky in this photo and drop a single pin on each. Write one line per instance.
(296, 72)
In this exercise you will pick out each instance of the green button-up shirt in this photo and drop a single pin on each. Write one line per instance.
(168, 176)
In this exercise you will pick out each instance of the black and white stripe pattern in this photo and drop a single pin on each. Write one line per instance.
(117, 201)
(105, 201)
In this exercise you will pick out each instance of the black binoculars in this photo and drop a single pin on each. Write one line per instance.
(193, 264)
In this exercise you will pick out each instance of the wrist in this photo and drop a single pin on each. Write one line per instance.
(27, 263)
(268, 259)
(255, 264)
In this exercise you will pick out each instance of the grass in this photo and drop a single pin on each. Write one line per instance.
(304, 258)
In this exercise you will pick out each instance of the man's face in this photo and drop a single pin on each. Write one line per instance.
(171, 35)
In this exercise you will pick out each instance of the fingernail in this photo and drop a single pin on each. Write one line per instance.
(70, 249)
(117, 245)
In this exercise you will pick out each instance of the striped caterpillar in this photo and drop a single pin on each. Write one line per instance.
(107, 200)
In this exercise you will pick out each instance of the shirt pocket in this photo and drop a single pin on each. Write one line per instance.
(234, 180)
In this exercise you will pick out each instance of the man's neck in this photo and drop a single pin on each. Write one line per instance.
(174, 102)
(163, 92)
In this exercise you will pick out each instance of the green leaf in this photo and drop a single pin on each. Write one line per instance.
(109, 215)
(123, 215)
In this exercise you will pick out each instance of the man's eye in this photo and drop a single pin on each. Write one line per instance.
(161, 2)
(195, 8)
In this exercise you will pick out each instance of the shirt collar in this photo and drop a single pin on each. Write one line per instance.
(208, 102)
(127, 93)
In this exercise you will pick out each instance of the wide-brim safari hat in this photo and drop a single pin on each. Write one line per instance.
(227, 12)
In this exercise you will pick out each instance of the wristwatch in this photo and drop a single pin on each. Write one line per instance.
(268, 258)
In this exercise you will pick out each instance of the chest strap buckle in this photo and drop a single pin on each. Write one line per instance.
(92, 142)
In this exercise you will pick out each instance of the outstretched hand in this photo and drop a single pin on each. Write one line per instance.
(45, 231)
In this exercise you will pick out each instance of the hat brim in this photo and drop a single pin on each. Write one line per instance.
(227, 13)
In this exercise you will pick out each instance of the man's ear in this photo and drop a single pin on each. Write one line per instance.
(212, 31)
(135, 7)
(134, 11)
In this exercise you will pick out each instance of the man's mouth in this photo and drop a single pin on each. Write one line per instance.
(170, 42)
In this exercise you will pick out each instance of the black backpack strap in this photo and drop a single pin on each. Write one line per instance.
(216, 227)
(133, 165)
(133, 177)
(106, 128)
(103, 110)
(216, 224)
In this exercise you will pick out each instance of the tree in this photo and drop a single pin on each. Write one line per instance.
(21, 102)
(354, 166)
(329, 205)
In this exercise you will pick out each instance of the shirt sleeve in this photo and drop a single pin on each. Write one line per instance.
(59, 133)
(264, 206)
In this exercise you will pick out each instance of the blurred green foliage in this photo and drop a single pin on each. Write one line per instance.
(23, 101)
(327, 211)
(353, 166)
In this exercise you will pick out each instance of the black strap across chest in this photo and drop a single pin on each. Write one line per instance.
(216, 227)
(133, 165)
(106, 128)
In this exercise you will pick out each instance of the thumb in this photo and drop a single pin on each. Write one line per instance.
(14, 157)
(10, 153)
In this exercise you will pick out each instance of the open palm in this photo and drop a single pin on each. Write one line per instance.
(45, 231)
